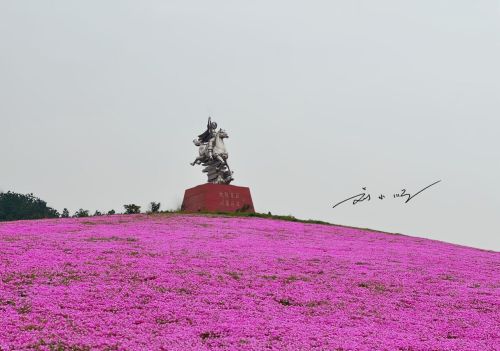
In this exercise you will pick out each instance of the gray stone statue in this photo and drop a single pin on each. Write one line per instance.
(213, 154)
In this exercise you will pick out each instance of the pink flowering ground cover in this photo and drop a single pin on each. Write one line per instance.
(194, 282)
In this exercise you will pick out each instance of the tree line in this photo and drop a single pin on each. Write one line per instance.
(14, 206)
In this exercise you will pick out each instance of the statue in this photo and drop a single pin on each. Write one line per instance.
(213, 154)
(217, 195)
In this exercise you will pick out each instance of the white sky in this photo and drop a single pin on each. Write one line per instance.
(100, 100)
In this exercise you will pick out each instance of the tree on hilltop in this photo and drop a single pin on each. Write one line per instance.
(132, 209)
(81, 213)
(154, 207)
(14, 206)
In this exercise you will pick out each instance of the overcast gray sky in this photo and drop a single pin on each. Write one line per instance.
(100, 101)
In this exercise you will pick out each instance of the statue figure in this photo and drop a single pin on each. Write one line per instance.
(213, 154)
(209, 133)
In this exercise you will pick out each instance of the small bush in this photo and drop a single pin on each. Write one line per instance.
(154, 207)
(132, 209)
(81, 213)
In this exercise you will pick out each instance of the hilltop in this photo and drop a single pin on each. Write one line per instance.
(199, 282)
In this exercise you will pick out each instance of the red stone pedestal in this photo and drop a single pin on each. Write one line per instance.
(217, 197)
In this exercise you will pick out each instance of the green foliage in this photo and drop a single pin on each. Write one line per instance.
(237, 213)
(14, 206)
(111, 212)
(244, 208)
(132, 209)
(154, 207)
(65, 213)
(97, 213)
(289, 218)
(81, 213)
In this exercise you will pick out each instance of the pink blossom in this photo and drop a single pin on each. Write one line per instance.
(194, 282)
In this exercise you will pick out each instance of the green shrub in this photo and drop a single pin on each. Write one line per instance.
(132, 209)
(154, 207)
(14, 206)
(81, 213)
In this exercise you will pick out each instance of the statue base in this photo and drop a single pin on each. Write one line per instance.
(211, 197)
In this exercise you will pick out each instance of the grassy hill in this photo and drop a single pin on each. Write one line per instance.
(198, 282)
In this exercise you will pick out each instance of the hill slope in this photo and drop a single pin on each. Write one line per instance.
(177, 282)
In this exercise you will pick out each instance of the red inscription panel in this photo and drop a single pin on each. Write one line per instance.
(217, 197)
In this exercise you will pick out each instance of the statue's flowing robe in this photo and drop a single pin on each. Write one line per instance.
(206, 136)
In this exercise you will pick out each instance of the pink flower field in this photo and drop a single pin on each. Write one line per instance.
(195, 282)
